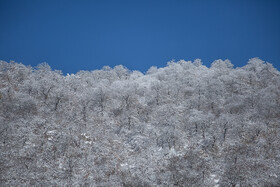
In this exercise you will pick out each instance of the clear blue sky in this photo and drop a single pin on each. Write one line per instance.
(85, 35)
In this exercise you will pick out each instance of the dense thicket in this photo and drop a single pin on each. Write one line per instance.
(181, 125)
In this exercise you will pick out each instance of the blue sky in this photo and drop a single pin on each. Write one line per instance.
(87, 35)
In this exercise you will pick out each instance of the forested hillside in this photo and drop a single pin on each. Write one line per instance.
(181, 125)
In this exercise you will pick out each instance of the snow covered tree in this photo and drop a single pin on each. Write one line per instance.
(181, 125)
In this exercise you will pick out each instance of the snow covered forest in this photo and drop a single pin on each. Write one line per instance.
(181, 125)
